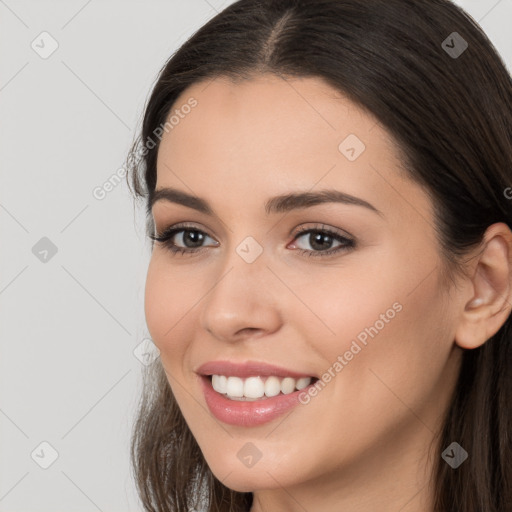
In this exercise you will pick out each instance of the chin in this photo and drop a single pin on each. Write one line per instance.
(247, 479)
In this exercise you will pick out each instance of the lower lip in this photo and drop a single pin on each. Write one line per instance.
(247, 413)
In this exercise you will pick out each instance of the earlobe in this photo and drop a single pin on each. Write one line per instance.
(490, 301)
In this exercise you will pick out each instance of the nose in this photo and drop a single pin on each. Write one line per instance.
(243, 301)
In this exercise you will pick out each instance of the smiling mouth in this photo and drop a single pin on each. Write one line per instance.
(255, 388)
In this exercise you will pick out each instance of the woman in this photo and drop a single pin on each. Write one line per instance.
(328, 186)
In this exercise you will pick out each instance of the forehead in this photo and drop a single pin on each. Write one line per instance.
(276, 110)
(268, 135)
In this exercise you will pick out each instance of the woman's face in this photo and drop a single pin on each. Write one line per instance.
(364, 314)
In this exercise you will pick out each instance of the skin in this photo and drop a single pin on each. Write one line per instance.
(362, 443)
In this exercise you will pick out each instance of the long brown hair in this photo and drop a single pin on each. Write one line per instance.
(448, 108)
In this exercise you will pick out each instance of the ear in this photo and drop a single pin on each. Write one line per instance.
(490, 292)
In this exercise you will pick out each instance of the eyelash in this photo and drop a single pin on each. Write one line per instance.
(165, 239)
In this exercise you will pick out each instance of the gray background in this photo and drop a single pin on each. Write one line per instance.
(71, 320)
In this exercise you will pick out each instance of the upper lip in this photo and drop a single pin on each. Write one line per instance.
(248, 369)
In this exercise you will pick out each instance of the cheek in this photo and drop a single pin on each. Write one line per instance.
(168, 303)
(355, 303)
(389, 318)
(396, 343)
(156, 302)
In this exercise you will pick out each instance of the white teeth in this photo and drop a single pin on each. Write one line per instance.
(287, 385)
(235, 387)
(272, 387)
(220, 383)
(253, 388)
(302, 383)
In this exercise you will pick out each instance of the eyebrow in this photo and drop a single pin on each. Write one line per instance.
(278, 204)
